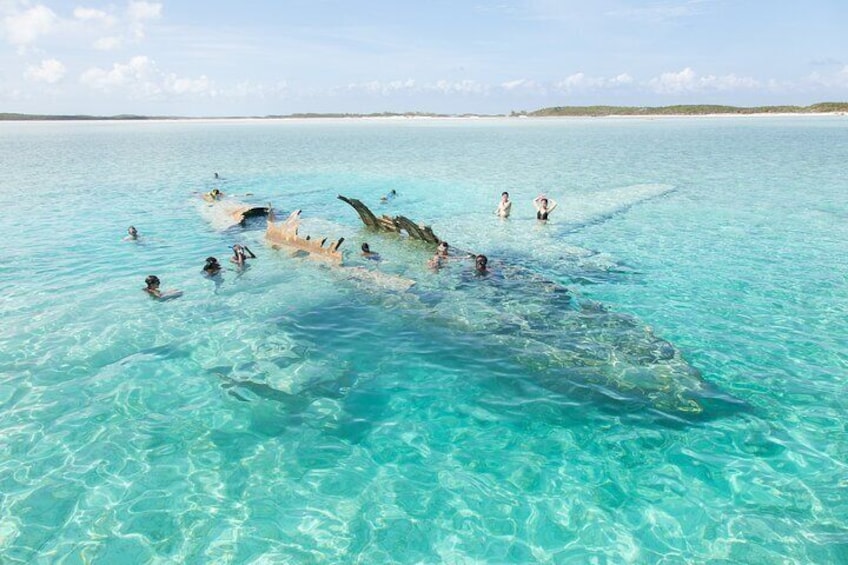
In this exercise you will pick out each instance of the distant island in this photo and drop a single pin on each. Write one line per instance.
(555, 111)
(684, 110)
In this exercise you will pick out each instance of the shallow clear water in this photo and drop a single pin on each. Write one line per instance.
(655, 375)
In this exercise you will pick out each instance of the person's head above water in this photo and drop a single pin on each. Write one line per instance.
(366, 248)
(480, 263)
(152, 281)
(504, 196)
(132, 231)
(211, 261)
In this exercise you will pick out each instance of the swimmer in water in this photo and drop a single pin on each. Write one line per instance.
(152, 288)
(544, 206)
(132, 234)
(212, 267)
(504, 206)
(214, 194)
(391, 194)
(436, 262)
(368, 254)
(481, 264)
(241, 253)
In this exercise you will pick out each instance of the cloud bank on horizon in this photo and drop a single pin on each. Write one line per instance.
(218, 58)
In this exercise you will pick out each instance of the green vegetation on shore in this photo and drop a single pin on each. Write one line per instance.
(34, 117)
(569, 111)
(683, 110)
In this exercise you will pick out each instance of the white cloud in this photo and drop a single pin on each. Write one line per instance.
(108, 43)
(138, 11)
(94, 15)
(137, 71)
(837, 79)
(50, 71)
(249, 89)
(141, 78)
(688, 80)
(383, 88)
(23, 28)
(458, 87)
(523, 85)
(581, 81)
(621, 79)
(179, 85)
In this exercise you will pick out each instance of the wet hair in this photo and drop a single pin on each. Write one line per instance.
(481, 259)
(211, 260)
(505, 193)
(151, 280)
(131, 230)
(365, 248)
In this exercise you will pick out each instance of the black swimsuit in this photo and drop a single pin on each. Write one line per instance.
(541, 215)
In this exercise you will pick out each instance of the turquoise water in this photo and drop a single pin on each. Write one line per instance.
(657, 374)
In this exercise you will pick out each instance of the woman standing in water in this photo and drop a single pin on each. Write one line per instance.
(544, 206)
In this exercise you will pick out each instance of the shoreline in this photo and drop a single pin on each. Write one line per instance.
(371, 118)
(521, 118)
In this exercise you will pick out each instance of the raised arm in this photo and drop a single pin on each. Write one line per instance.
(536, 202)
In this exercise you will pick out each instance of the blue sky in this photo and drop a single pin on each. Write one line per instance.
(252, 57)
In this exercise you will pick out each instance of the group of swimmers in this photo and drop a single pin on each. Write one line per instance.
(442, 256)
(211, 269)
(543, 205)
(241, 253)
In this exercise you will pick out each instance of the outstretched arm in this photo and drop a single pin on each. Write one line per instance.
(246, 248)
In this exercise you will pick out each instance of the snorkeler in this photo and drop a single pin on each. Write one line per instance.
(212, 267)
(544, 206)
(152, 288)
(132, 234)
(368, 254)
(504, 206)
(391, 194)
(437, 261)
(239, 256)
(480, 264)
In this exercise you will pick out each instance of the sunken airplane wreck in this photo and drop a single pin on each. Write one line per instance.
(567, 343)
(547, 329)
